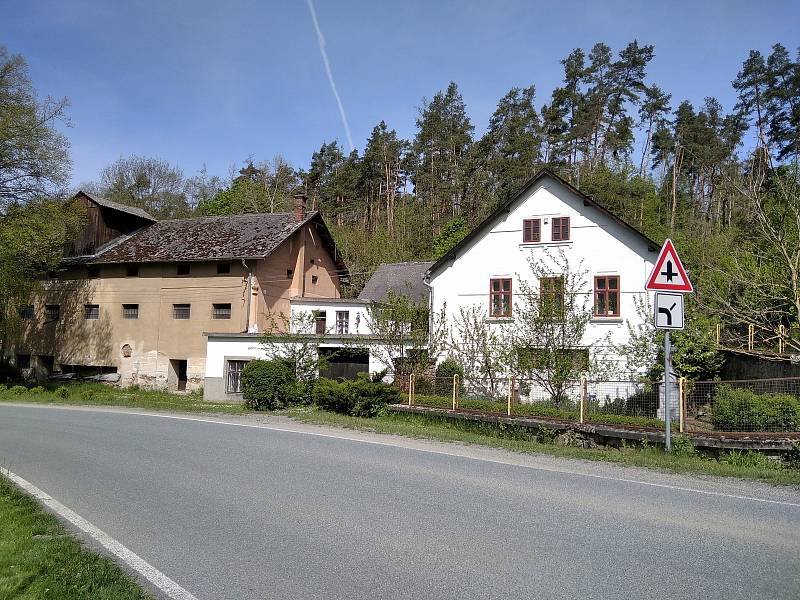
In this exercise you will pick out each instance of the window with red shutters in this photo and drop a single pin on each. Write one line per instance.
(560, 229)
(606, 296)
(500, 297)
(531, 230)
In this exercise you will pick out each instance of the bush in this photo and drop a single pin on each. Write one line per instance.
(265, 382)
(449, 367)
(299, 393)
(61, 392)
(18, 389)
(682, 446)
(744, 410)
(792, 457)
(359, 398)
(37, 390)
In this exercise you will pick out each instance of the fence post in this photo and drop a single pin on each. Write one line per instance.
(681, 401)
(719, 331)
(781, 334)
(410, 389)
(583, 400)
(455, 391)
(751, 336)
(510, 393)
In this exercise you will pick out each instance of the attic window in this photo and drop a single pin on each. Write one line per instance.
(561, 229)
(132, 271)
(311, 260)
(314, 279)
(531, 230)
(223, 268)
(289, 273)
(183, 269)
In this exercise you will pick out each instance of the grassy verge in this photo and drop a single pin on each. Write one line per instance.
(38, 559)
(97, 394)
(519, 439)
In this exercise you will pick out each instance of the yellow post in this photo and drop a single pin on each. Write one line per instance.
(410, 388)
(455, 391)
(510, 393)
(751, 336)
(583, 399)
(719, 331)
(781, 334)
(681, 401)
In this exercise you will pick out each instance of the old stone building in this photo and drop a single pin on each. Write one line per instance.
(135, 296)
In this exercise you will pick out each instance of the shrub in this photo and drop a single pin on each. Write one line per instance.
(682, 446)
(744, 410)
(61, 392)
(37, 390)
(299, 393)
(18, 389)
(792, 457)
(264, 384)
(449, 367)
(333, 396)
(359, 398)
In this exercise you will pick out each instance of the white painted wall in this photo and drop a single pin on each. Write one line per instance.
(602, 245)
(357, 313)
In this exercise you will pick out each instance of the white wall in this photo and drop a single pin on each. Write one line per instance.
(357, 313)
(603, 246)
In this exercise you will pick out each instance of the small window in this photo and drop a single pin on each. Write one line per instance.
(52, 312)
(91, 312)
(342, 322)
(223, 268)
(561, 229)
(132, 271)
(320, 322)
(93, 272)
(130, 311)
(234, 379)
(551, 296)
(26, 312)
(314, 279)
(532, 230)
(500, 297)
(606, 296)
(23, 361)
(183, 269)
(289, 273)
(181, 311)
(221, 311)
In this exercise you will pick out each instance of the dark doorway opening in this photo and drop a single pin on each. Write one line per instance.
(178, 373)
(344, 363)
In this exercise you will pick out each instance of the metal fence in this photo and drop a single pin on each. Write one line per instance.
(764, 405)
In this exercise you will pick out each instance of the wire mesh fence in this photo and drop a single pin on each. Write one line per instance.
(763, 405)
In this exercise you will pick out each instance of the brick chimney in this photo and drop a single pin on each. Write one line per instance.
(299, 206)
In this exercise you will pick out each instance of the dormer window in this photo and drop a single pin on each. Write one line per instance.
(531, 231)
(560, 229)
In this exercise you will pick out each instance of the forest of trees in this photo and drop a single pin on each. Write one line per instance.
(721, 181)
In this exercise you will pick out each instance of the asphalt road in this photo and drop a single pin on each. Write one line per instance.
(241, 513)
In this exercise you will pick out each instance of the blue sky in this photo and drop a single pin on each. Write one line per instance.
(212, 82)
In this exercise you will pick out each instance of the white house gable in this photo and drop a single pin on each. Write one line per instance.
(546, 219)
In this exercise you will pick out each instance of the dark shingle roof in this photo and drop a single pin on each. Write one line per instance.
(400, 278)
(205, 238)
(131, 210)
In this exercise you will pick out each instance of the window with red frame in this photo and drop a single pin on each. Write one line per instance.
(606, 296)
(532, 230)
(560, 229)
(500, 297)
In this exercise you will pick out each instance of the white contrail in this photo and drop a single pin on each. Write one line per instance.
(321, 40)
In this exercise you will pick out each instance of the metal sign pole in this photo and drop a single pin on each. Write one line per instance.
(667, 369)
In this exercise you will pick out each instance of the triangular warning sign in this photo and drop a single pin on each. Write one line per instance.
(669, 275)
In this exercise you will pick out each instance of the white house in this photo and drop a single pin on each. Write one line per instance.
(338, 327)
(547, 217)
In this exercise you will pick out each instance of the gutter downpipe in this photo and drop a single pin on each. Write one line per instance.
(248, 293)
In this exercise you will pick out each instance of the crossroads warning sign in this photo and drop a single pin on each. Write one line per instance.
(668, 275)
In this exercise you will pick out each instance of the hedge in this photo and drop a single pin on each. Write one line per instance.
(744, 410)
(265, 384)
(359, 398)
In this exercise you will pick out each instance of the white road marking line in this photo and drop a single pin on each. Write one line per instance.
(429, 451)
(134, 561)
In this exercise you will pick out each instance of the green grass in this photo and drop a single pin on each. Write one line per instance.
(520, 439)
(98, 394)
(39, 560)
